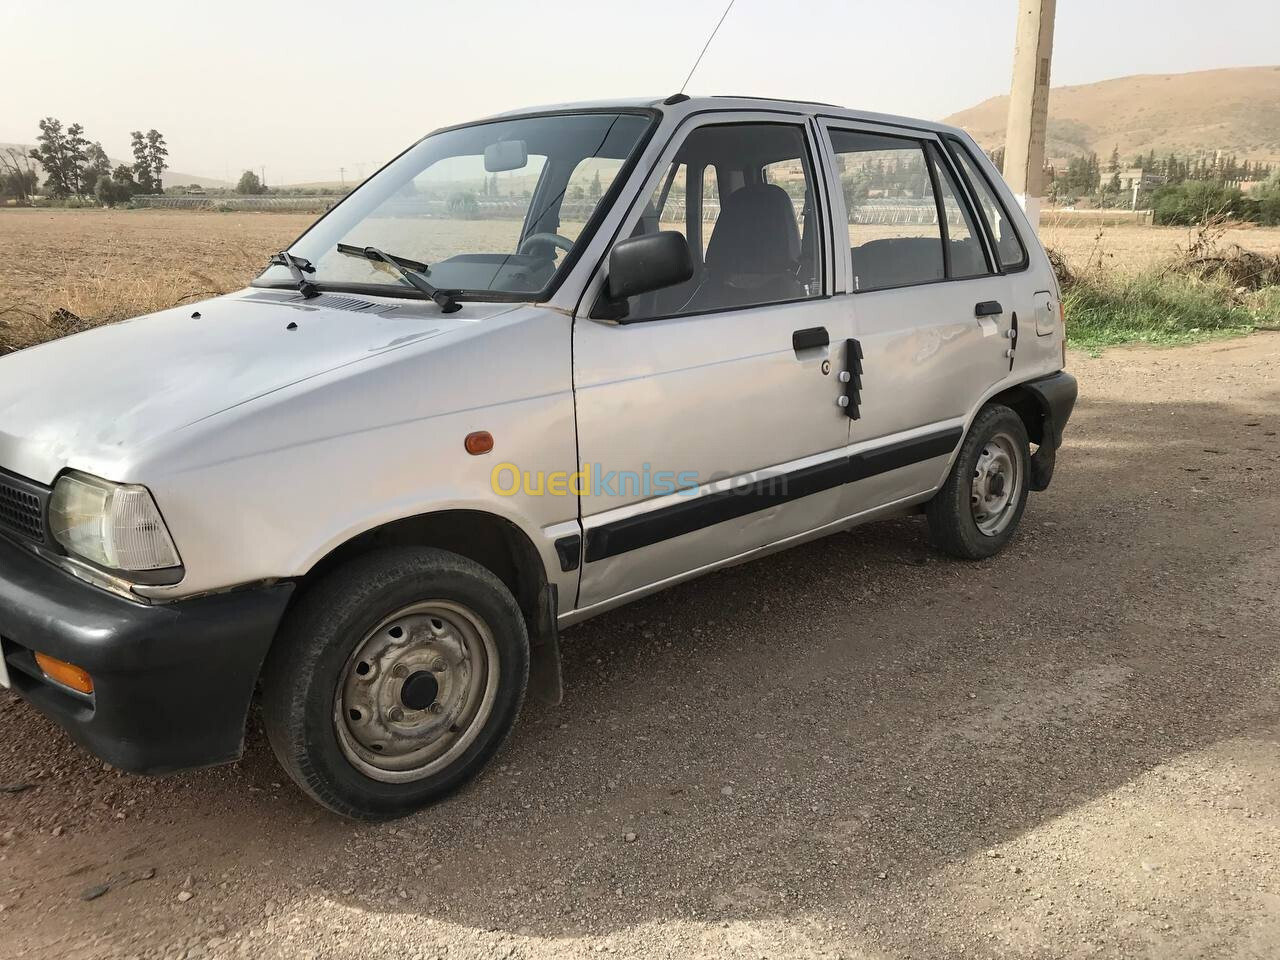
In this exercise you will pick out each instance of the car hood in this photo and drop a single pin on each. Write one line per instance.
(98, 393)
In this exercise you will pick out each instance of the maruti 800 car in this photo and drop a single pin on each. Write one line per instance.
(536, 367)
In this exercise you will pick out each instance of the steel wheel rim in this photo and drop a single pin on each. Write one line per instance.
(997, 484)
(416, 691)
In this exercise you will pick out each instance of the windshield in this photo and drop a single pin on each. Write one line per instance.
(493, 210)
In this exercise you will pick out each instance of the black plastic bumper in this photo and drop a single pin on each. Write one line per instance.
(1056, 395)
(172, 682)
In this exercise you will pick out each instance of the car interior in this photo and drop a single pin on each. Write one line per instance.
(896, 237)
(742, 196)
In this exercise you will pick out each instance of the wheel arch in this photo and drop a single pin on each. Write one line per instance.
(492, 541)
(1028, 405)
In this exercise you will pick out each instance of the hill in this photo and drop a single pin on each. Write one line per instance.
(1235, 110)
(171, 177)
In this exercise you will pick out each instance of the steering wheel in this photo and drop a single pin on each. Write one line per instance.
(537, 239)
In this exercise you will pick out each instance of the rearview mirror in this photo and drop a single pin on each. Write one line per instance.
(647, 263)
(505, 155)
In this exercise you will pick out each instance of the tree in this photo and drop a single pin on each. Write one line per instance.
(142, 163)
(111, 192)
(96, 166)
(18, 178)
(157, 158)
(62, 154)
(463, 205)
(249, 184)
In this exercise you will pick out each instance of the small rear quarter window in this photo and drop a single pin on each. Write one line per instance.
(1009, 248)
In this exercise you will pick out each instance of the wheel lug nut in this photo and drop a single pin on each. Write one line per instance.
(439, 666)
(436, 707)
(399, 671)
(395, 714)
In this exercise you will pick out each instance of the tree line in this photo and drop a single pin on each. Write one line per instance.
(75, 167)
(1089, 175)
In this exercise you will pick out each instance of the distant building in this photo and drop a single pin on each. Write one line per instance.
(1137, 176)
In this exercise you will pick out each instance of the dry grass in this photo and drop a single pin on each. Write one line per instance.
(1131, 248)
(64, 270)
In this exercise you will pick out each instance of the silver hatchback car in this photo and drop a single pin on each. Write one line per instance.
(536, 367)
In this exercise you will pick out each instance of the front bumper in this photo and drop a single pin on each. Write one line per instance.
(172, 682)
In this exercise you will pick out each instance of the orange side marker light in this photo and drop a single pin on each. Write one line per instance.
(67, 674)
(478, 443)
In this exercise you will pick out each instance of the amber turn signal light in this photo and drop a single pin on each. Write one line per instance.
(67, 674)
(479, 442)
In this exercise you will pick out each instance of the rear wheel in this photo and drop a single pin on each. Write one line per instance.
(394, 680)
(978, 509)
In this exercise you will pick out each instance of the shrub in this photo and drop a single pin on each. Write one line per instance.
(111, 192)
(464, 205)
(1197, 201)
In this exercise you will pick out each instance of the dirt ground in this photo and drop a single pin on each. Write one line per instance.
(853, 749)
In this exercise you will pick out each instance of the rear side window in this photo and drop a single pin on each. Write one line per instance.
(894, 233)
(1009, 248)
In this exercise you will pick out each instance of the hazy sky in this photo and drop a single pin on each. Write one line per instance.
(306, 88)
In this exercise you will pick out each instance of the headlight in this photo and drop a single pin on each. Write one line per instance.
(114, 525)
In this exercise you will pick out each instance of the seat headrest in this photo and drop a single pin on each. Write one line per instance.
(756, 232)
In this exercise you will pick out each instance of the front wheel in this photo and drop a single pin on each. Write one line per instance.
(978, 509)
(394, 681)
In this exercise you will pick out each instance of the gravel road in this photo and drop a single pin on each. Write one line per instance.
(855, 749)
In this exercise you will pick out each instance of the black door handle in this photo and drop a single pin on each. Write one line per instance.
(809, 338)
(988, 308)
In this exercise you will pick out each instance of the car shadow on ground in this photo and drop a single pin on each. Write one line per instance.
(826, 728)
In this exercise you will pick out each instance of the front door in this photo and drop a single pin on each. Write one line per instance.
(932, 316)
(708, 423)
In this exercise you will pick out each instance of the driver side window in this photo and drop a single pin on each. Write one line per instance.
(741, 194)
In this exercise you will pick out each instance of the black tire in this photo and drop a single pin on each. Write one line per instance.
(952, 524)
(310, 656)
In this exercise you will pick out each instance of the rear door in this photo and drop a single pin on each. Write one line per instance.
(931, 314)
(1033, 296)
(708, 423)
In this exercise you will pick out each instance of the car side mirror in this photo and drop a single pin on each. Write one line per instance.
(647, 263)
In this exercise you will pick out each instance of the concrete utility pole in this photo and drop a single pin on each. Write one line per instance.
(1029, 105)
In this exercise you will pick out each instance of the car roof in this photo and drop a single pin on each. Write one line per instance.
(701, 104)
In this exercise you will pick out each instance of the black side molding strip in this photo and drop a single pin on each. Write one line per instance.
(568, 550)
(623, 536)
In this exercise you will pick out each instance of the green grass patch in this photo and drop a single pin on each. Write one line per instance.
(1202, 293)
(1162, 308)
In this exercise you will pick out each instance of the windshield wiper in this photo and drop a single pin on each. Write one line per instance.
(299, 267)
(413, 271)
